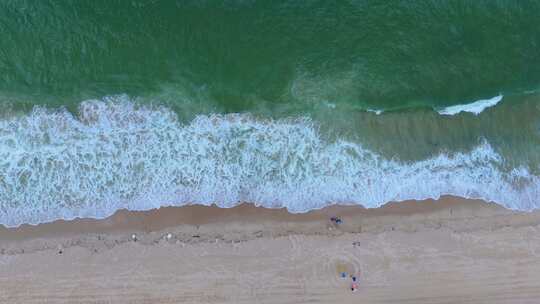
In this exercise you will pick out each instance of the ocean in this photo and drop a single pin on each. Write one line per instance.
(135, 104)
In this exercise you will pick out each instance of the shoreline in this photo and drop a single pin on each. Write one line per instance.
(451, 250)
(193, 217)
(124, 220)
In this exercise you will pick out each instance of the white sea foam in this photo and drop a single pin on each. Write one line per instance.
(475, 107)
(377, 112)
(116, 155)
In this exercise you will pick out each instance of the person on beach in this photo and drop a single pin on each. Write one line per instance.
(336, 220)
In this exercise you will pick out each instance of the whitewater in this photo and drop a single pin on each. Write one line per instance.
(115, 154)
(475, 107)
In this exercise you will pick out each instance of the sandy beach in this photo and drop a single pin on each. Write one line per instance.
(446, 251)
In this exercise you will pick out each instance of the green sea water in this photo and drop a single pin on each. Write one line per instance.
(275, 63)
(287, 55)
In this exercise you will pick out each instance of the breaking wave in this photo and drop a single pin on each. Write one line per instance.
(115, 154)
(474, 107)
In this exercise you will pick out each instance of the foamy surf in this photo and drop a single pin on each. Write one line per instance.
(114, 155)
(377, 112)
(475, 107)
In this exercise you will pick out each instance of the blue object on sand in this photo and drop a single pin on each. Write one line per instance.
(343, 274)
(354, 279)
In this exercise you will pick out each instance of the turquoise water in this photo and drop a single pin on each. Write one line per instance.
(140, 104)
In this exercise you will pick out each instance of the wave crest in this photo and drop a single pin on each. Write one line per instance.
(474, 107)
(118, 155)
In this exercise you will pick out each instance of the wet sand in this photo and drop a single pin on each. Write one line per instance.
(446, 251)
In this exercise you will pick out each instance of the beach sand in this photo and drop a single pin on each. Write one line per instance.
(447, 251)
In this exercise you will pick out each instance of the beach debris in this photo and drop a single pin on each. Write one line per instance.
(355, 244)
(134, 237)
(60, 249)
(341, 270)
(169, 236)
